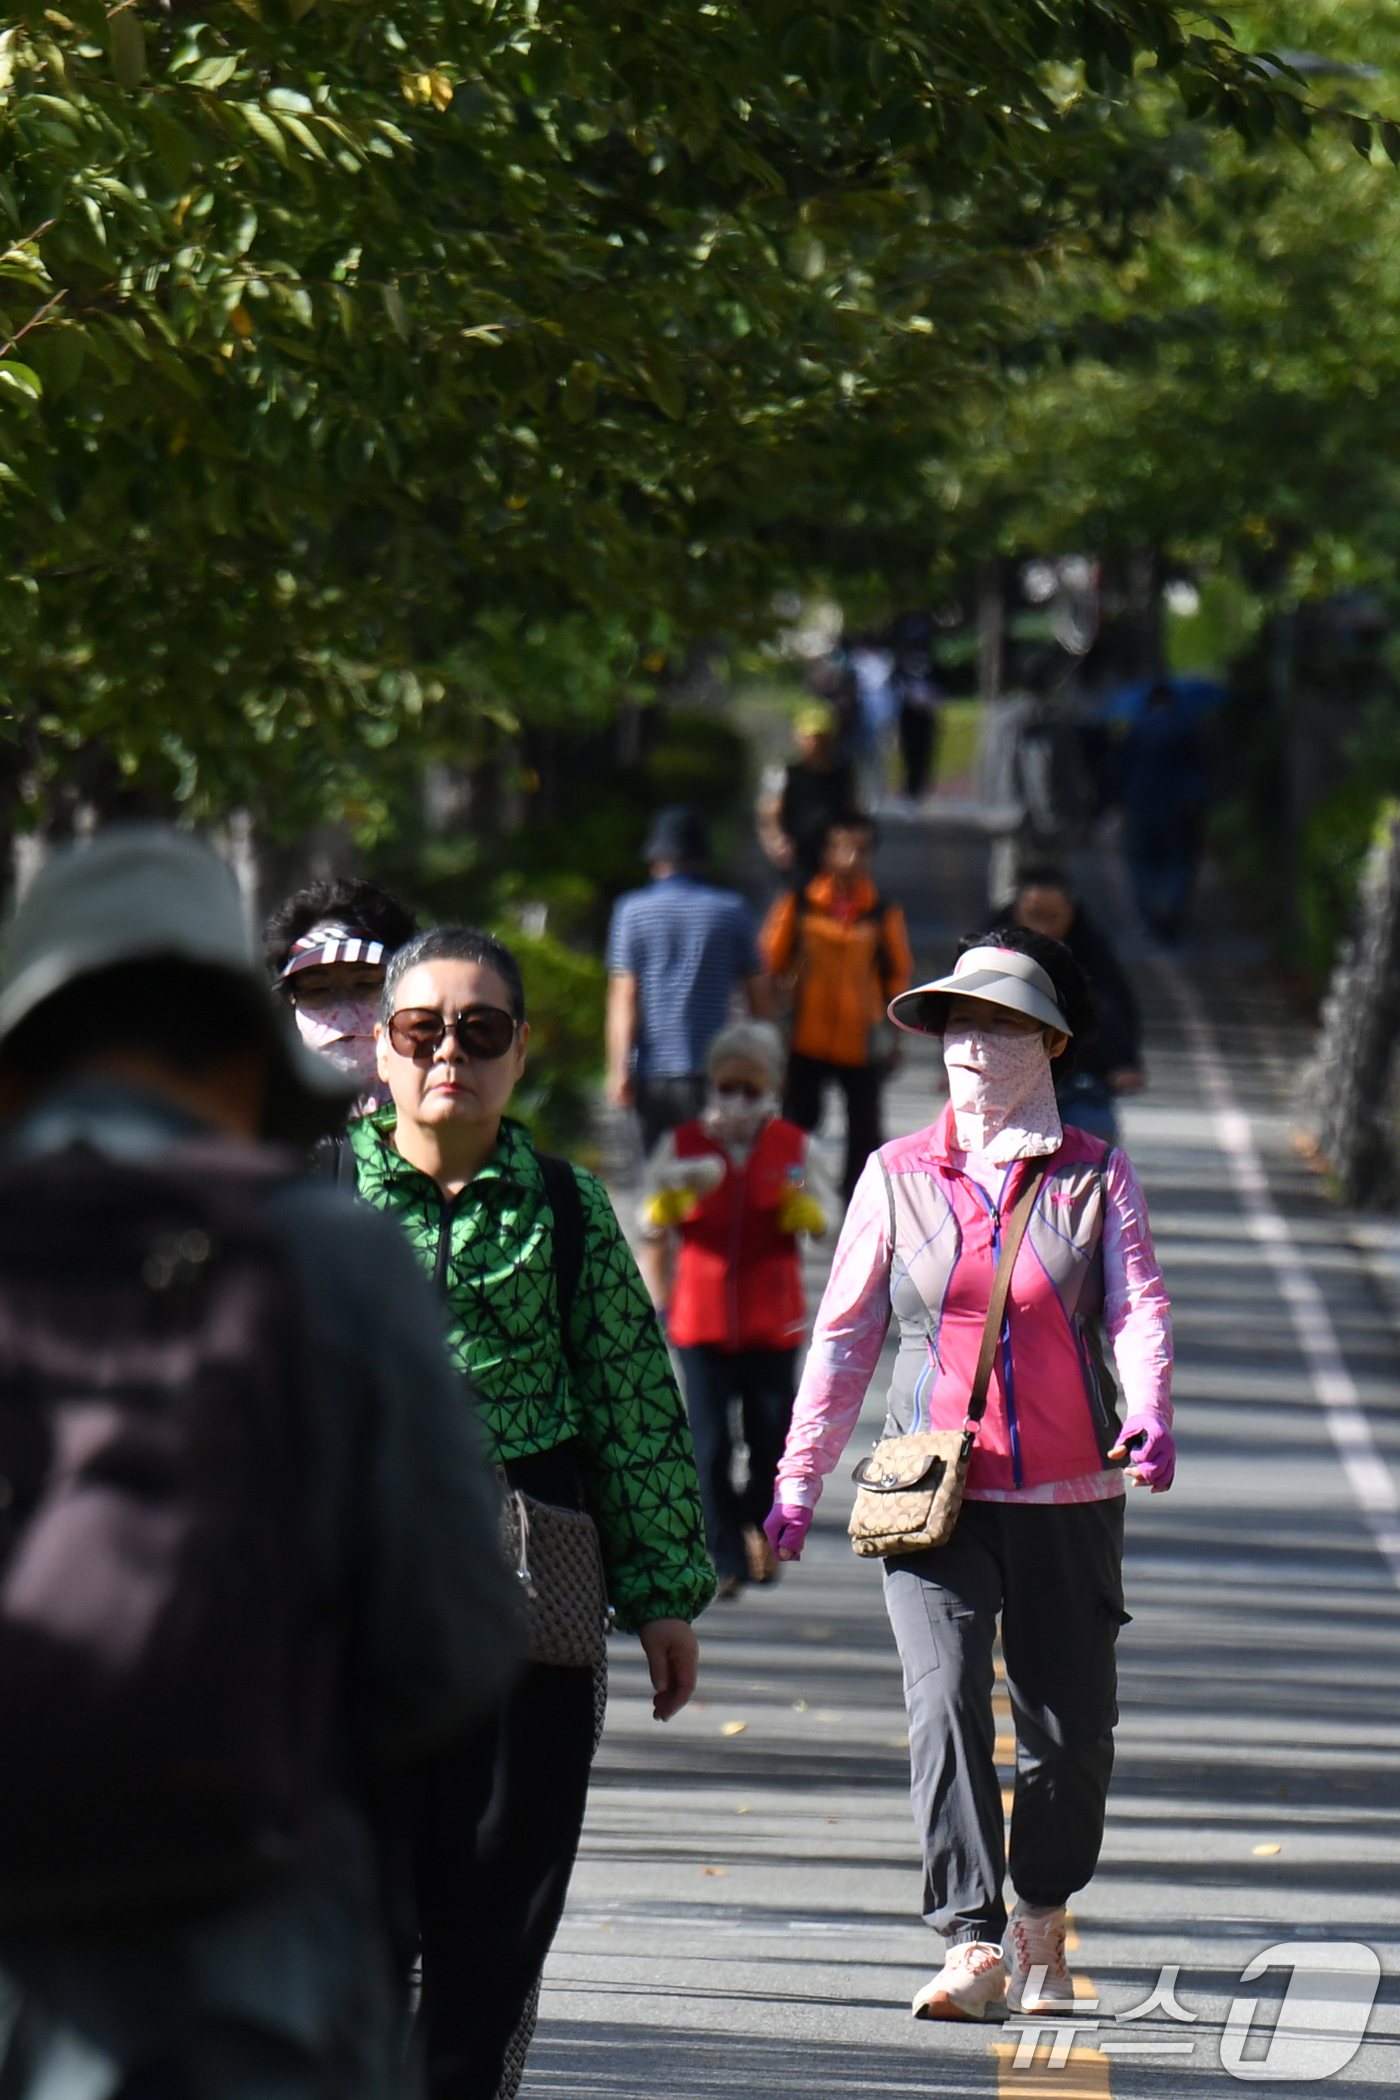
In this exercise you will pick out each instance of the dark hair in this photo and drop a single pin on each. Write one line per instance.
(187, 1014)
(1074, 994)
(844, 820)
(455, 944)
(349, 898)
(1045, 876)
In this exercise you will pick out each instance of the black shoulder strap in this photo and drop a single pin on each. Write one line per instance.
(566, 1204)
(333, 1159)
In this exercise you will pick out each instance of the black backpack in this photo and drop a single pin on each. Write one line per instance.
(165, 1661)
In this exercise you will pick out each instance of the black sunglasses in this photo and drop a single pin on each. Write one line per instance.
(480, 1031)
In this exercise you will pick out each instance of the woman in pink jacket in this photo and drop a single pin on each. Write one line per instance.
(1039, 1539)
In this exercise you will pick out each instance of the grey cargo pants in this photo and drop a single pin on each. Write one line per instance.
(1053, 1571)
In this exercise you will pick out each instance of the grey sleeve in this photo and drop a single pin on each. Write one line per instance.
(414, 1509)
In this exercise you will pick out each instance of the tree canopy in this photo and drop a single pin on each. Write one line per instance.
(372, 375)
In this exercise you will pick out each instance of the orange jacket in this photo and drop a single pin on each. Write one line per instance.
(849, 956)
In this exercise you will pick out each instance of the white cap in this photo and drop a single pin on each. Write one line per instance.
(1001, 976)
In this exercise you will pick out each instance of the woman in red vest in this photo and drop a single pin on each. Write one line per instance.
(736, 1185)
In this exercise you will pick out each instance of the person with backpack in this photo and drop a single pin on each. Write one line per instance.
(549, 1318)
(249, 1563)
(841, 952)
(326, 948)
(1006, 1250)
(736, 1185)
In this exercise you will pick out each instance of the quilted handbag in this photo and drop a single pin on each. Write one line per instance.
(557, 1557)
(911, 1487)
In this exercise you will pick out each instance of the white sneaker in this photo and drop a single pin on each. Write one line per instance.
(972, 1977)
(1035, 1950)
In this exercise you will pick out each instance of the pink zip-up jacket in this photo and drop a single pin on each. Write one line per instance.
(1087, 1267)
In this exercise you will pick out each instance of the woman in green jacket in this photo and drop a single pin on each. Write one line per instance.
(590, 1421)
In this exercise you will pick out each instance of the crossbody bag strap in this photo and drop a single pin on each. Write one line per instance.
(889, 1197)
(1001, 1287)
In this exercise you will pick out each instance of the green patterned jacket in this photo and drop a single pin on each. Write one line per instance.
(492, 1248)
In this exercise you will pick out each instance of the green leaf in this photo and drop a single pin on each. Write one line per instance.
(266, 128)
(396, 310)
(1390, 139)
(1360, 136)
(175, 146)
(663, 384)
(579, 393)
(20, 379)
(128, 43)
(56, 353)
(213, 73)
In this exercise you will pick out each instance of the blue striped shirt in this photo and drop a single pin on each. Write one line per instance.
(687, 944)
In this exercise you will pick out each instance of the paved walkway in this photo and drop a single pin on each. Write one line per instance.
(744, 1918)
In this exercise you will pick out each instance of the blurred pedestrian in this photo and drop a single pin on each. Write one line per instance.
(1009, 1353)
(916, 696)
(737, 1185)
(549, 1319)
(841, 951)
(677, 951)
(251, 1563)
(1110, 1063)
(1164, 785)
(818, 788)
(326, 947)
(872, 667)
(1033, 772)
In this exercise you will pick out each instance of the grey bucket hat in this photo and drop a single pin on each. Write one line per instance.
(998, 975)
(143, 892)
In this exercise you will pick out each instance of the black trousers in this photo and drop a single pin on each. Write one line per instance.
(496, 1829)
(807, 1082)
(917, 726)
(1053, 1571)
(666, 1101)
(761, 1380)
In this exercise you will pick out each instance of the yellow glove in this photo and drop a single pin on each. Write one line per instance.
(799, 1212)
(670, 1207)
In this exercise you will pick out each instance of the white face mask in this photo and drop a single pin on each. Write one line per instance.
(344, 1035)
(1003, 1093)
(735, 1118)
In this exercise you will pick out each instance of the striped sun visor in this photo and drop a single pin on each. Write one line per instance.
(333, 944)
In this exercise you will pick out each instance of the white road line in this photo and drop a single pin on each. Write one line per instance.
(1368, 1475)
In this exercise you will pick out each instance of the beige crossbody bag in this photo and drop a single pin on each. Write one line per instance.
(911, 1487)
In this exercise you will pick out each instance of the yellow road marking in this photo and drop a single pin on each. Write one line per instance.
(1084, 2077)
(1085, 2073)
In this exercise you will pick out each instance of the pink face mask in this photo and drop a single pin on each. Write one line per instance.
(1003, 1093)
(344, 1034)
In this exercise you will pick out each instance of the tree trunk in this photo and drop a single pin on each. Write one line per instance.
(1353, 1082)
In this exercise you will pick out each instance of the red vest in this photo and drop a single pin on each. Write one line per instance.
(738, 1280)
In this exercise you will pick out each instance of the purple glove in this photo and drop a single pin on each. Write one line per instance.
(785, 1527)
(1153, 1462)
